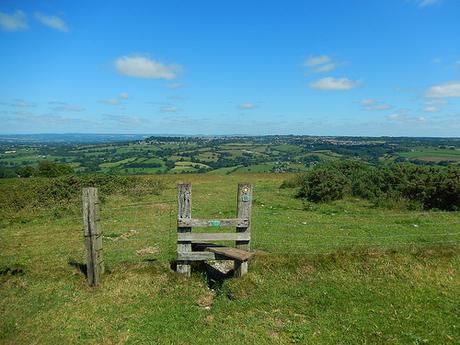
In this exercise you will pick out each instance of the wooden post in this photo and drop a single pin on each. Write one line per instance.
(244, 208)
(93, 236)
(184, 202)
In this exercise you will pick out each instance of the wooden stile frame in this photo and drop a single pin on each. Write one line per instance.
(186, 239)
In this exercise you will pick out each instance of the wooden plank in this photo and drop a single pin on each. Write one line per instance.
(202, 223)
(244, 209)
(184, 204)
(231, 253)
(197, 256)
(198, 236)
(93, 236)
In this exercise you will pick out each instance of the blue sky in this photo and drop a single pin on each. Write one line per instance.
(367, 67)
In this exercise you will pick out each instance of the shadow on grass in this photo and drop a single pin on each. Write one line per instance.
(215, 277)
(80, 266)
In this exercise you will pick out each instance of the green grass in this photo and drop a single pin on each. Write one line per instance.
(118, 163)
(343, 273)
(433, 155)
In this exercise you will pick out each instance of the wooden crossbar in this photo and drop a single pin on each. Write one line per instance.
(202, 223)
(202, 236)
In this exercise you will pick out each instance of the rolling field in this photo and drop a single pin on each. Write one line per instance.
(433, 154)
(344, 272)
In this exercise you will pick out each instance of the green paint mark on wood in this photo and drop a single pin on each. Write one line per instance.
(214, 223)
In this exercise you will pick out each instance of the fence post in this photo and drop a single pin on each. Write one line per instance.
(184, 202)
(93, 236)
(244, 208)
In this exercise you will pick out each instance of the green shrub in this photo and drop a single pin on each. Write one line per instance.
(322, 184)
(416, 187)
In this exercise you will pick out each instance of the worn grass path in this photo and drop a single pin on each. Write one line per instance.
(343, 273)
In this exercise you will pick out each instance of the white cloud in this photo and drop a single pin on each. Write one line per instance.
(246, 106)
(143, 67)
(329, 83)
(53, 22)
(123, 95)
(431, 109)
(457, 62)
(16, 21)
(374, 105)
(451, 89)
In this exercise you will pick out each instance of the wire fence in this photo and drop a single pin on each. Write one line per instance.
(136, 231)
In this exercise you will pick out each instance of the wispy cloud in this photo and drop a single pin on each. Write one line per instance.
(320, 64)
(436, 101)
(426, 3)
(451, 89)
(19, 103)
(126, 119)
(110, 101)
(116, 101)
(168, 109)
(334, 84)
(374, 105)
(246, 106)
(403, 115)
(62, 106)
(16, 21)
(174, 86)
(317, 60)
(48, 119)
(144, 67)
(431, 109)
(53, 22)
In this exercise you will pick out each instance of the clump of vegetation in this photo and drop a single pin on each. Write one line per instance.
(23, 197)
(45, 169)
(425, 187)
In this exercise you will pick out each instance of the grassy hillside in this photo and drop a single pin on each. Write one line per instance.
(343, 272)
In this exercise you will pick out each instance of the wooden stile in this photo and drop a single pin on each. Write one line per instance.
(190, 246)
(93, 236)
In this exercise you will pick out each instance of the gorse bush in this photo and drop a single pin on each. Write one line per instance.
(324, 184)
(418, 186)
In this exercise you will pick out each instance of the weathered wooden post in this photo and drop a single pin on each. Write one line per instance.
(244, 208)
(184, 202)
(93, 236)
